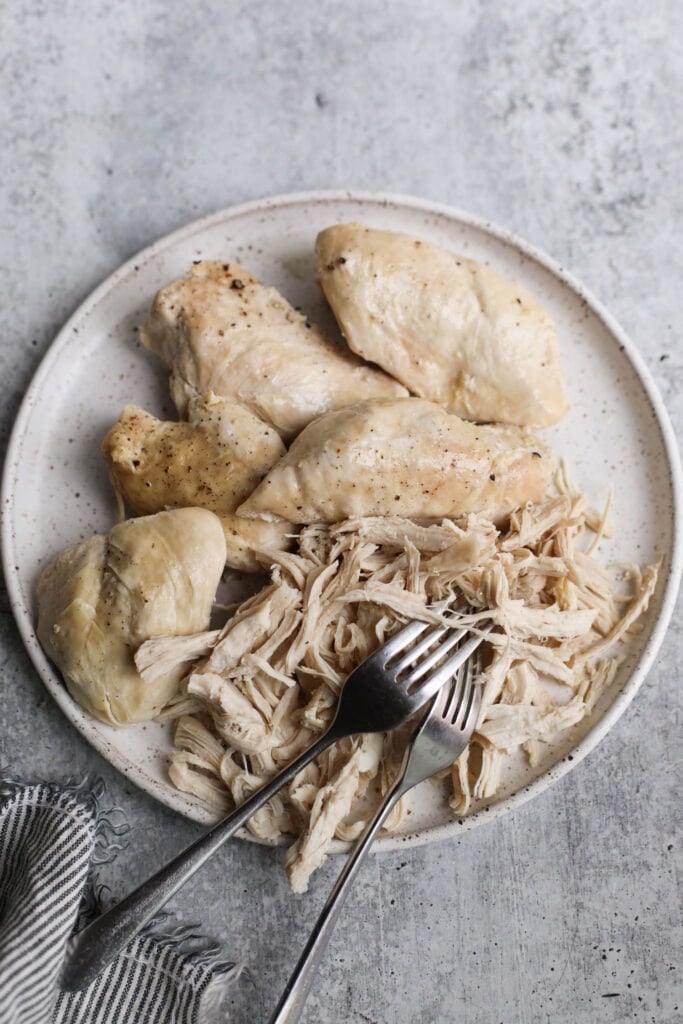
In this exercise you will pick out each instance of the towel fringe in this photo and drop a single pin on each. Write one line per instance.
(212, 1000)
(109, 823)
(200, 955)
(186, 940)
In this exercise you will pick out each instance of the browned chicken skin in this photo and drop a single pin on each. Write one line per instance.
(214, 461)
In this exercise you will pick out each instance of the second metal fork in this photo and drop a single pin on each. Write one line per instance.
(438, 741)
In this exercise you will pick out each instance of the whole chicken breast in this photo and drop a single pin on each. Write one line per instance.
(221, 330)
(404, 457)
(448, 328)
(214, 461)
(99, 600)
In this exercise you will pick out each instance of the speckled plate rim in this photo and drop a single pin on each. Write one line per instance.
(669, 587)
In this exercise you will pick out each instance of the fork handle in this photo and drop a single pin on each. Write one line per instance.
(291, 1004)
(93, 948)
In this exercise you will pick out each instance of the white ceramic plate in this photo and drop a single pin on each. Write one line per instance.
(55, 490)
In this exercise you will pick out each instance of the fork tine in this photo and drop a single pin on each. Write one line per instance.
(434, 707)
(460, 694)
(473, 703)
(399, 641)
(432, 659)
(472, 696)
(445, 671)
(419, 648)
(456, 692)
(468, 707)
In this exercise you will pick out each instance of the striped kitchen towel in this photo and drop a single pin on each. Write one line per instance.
(50, 840)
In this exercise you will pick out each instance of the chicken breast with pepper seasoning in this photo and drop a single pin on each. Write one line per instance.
(214, 461)
(221, 330)
(99, 600)
(448, 328)
(404, 457)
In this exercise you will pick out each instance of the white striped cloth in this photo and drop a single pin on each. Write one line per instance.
(49, 840)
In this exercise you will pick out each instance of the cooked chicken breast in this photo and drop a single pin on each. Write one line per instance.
(448, 328)
(405, 457)
(215, 461)
(221, 330)
(99, 600)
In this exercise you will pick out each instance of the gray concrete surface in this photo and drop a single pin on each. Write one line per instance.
(562, 120)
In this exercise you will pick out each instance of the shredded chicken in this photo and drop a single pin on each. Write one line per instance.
(262, 688)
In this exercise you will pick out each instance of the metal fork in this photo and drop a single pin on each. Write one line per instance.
(380, 695)
(438, 741)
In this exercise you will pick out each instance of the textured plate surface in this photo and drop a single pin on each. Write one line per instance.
(55, 489)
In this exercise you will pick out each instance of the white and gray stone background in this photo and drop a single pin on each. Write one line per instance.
(560, 120)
